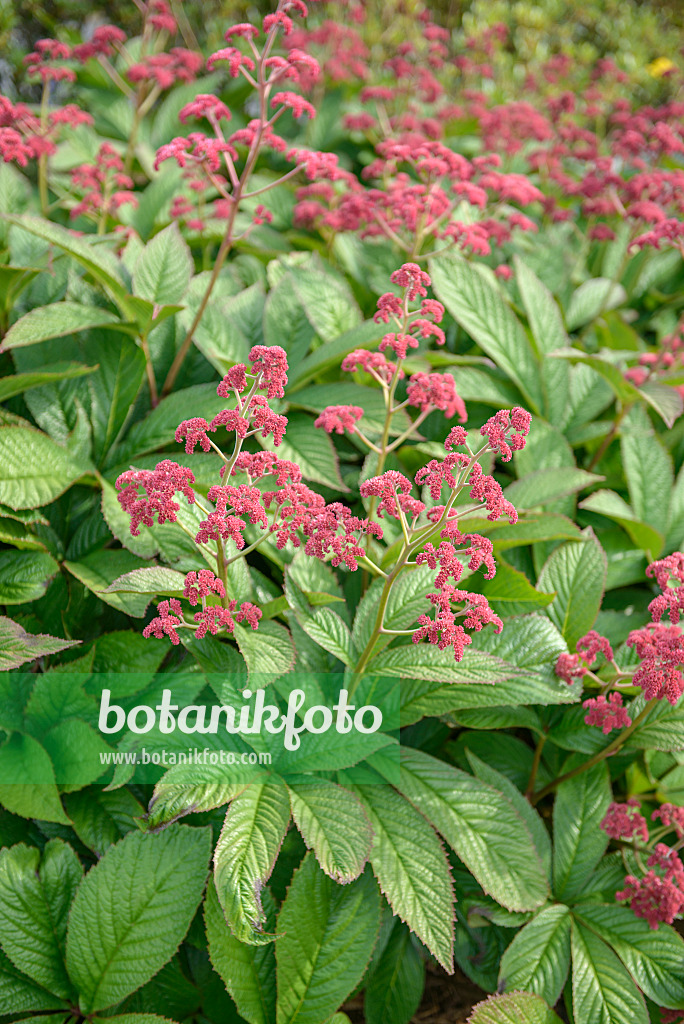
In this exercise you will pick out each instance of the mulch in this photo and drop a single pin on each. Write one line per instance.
(448, 999)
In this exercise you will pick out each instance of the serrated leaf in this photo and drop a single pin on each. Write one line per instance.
(602, 990)
(333, 824)
(538, 959)
(23, 758)
(36, 470)
(513, 1008)
(648, 469)
(653, 957)
(577, 572)
(395, 987)
(155, 580)
(56, 321)
(164, 268)
(245, 855)
(330, 355)
(579, 841)
(330, 632)
(35, 894)
(248, 972)
(608, 503)
(100, 818)
(482, 312)
(17, 646)
(547, 485)
(511, 593)
(410, 865)
(172, 801)
(18, 383)
(18, 994)
(481, 825)
(25, 575)
(98, 569)
(327, 933)
(665, 399)
(328, 301)
(592, 298)
(142, 894)
(622, 388)
(268, 650)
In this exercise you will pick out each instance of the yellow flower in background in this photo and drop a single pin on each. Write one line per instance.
(660, 66)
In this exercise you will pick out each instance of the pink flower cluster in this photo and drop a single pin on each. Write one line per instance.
(104, 187)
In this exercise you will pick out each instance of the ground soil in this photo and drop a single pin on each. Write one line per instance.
(448, 999)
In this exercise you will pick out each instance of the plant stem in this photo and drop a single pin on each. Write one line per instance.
(149, 369)
(612, 748)
(535, 765)
(609, 438)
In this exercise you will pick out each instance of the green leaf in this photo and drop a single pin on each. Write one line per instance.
(577, 572)
(538, 959)
(334, 825)
(142, 895)
(35, 470)
(327, 933)
(172, 801)
(531, 529)
(511, 593)
(480, 309)
(133, 1018)
(56, 321)
(602, 990)
(20, 382)
(245, 855)
(543, 313)
(579, 841)
(312, 450)
(592, 298)
(97, 570)
(513, 1008)
(608, 503)
(164, 268)
(662, 729)
(25, 575)
(268, 650)
(548, 485)
(22, 758)
(330, 632)
(534, 823)
(75, 749)
(410, 865)
(653, 957)
(622, 388)
(248, 972)
(35, 894)
(395, 987)
(665, 399)
(329, 355)
(101, 818)
(154, 580)
(648, 468)
(481, 825)
(17, 646)
(18, 994)
(328, 302)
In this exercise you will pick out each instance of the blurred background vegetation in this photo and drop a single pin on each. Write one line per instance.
(634, 32)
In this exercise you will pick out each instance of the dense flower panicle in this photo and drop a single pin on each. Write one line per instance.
(670, 815)
(104, 185)
(270, 364)
(295, 504)
(265, 421)
(243, 500)
(165, 69)
(443, 631)
(591, 645)
(296, 103)
(373, 363)
(195, 432)
(169, 616)
(653, 898)
(484, 488)
(205, 105)
(606, 713)
(569, 667)
(334, 534)
(625, 821)
(661, 650)
(339, 418)
(506, 431)
(233, 420)
(202, 584)
(429, 391)
(160, 485)
(442, 471)
(234, 380)
(413, 279)
(457, 436)
(262, 464)
(218, 617)
(393, 489)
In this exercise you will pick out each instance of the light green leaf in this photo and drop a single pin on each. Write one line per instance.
(538, 959)
(35, 470)
(268, 650)
(328, 302)
(164, 268)
(17, 646)
(245, 855)
(548, 485)
(410, 865)
(142, 895)
(608, 503)
(155, 580)
(577, 572)
(56, 321)
(623, 389)
(327, 933)
(665, 399)
(592, 298)
(25, 575)
(648, 468)
(172, 801)
(395, 987)
(22, 758)
(511, 593)
(481, 825)
(248, 972)
(602, 990)
(35, 894)
(530, 529)
(513, 1008)
(482, 312)
(366, 335)
(330, 632)
(545, 319)
(653, 957)
(17, 383)
(333, 824)
(579, 841)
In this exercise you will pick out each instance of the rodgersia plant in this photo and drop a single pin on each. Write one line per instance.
(342, 348)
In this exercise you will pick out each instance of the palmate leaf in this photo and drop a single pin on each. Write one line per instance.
(410, 865)
(538, 959)
(481, 825)
(333, 824)
(248, 972)
(35, 894)
(142, 895)
(254, 829)
(602, 990)
(327, 934)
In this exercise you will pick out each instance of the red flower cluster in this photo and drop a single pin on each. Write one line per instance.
(104, 186)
